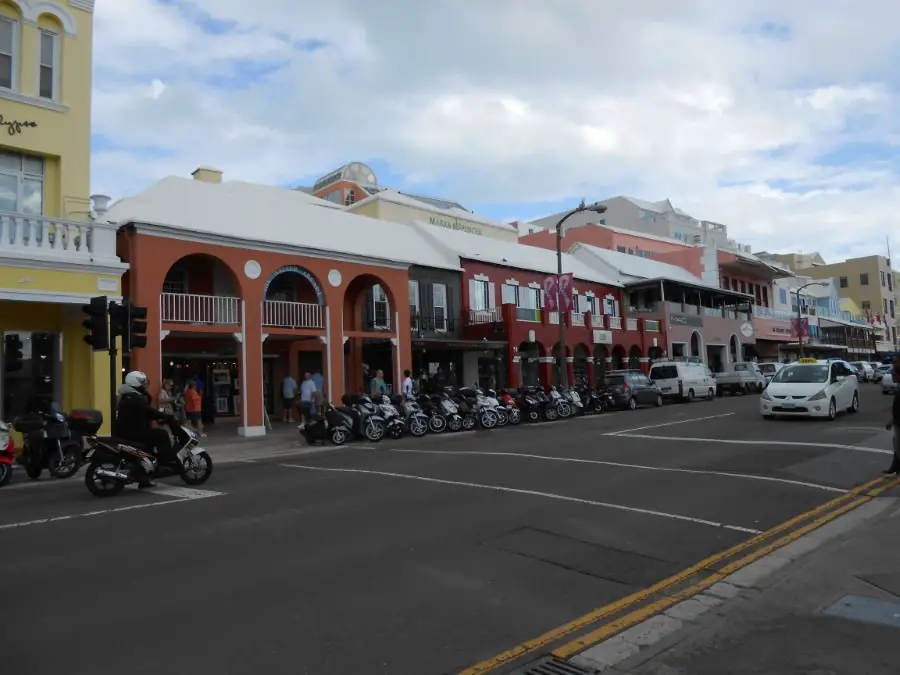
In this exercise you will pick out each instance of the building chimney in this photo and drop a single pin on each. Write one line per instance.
(207, 174)
(100, 205)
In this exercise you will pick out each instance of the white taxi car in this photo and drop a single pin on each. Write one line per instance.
(811, 388)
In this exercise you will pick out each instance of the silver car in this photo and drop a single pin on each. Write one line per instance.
(888, 386)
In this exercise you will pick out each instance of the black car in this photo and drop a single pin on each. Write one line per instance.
(631, 388)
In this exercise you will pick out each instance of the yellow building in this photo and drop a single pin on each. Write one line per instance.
(53, 256)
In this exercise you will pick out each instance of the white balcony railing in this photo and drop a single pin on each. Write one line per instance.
(631, 324)
(283, 314)
(577, 318)
(200, 309)
(478, 316)
(614, 322)
(25, 236)
(553, 318)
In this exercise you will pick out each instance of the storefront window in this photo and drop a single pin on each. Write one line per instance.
(31, 372)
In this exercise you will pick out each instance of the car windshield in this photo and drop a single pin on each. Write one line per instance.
(741, 366)
(615, 380)
(767, 367)
(804, 374)
(664, 373)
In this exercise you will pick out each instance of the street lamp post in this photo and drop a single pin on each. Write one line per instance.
(596, 207)
(800, 315)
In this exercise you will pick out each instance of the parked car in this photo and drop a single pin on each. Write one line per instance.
(888, 386)
(865, 370)
(880, 372)
(769, 370)
(742, 377)
(683, 381)
(631, 388)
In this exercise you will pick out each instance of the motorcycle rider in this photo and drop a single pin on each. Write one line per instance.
(134, 414)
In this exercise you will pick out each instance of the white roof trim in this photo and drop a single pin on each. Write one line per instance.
(511, 282)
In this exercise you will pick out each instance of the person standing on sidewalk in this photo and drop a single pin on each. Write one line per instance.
(307, 389)
(895, 420)
(288, 394)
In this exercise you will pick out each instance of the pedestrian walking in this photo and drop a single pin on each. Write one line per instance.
(307, 389)
(407, 384)
(377, 387)
(193, 407)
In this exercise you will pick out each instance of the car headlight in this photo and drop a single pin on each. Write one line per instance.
(765, 395)
(818, 397)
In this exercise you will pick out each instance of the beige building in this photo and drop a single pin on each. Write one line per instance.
(794, 261)
(869, 282)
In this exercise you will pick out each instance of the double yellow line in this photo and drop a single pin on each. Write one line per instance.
(822, 515)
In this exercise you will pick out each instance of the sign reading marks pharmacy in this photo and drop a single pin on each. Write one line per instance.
(453, 224)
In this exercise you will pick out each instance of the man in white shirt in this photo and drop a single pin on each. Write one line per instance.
(307, 389)
(288, 394)
(407, 383)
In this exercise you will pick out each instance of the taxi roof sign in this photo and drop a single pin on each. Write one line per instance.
(807, 360)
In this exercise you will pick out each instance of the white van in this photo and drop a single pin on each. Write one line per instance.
(683, 381)
(770, 370)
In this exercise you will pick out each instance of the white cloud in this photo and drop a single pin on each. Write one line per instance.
(524, 101)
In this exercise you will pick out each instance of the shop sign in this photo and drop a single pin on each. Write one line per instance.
(603, 337)
(747, 330)
(14, 127)
(686, 320)
(454, 224)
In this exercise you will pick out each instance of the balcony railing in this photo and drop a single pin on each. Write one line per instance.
(479, 316)
(631, 324)
(553, 318)
(283, 314)
(420, 323)
(27, 236)
(770, 313)
(577, 318)
(614, 322)
(200, 309)
(528, 314)
(651, 325)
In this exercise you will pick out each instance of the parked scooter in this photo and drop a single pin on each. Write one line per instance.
(48, 443)
(415, 420)
(7, 454)
(513, 412)
(530, 404)
(451, 411)
(431, 406)
(367, 423)
(563, 408)
(394, 423)
(332, 425)
(494, 402)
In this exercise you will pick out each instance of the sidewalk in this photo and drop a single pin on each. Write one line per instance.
(828, 604)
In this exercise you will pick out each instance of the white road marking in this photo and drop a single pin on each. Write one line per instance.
(622, 465)
(732, 441)
(532, 493)
(195, 494)
(668, 424)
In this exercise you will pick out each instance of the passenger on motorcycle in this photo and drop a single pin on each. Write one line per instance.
(133, 422)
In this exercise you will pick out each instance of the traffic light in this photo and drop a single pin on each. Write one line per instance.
(12, 350)
(129, 322)
(96, 323)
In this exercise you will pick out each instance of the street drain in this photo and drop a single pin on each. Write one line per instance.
(551, 666)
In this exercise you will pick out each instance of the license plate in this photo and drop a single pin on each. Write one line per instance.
(787, 404)
(666, 388)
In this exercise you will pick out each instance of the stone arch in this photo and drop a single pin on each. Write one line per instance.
(201, 288)
(655, 353)
(734, 348)
(296, 270)
(369, 289)
(695, 346)
(530, 354)
(601, 353)
(619, 357)
(33, 10)
(582, 356)
(634, 357)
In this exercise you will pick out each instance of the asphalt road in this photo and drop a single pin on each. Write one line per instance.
(420, 557)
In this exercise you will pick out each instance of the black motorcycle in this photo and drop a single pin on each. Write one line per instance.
(332, 425)
(431, 406)
(48, 443)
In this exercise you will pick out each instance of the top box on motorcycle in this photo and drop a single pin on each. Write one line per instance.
(85, 421)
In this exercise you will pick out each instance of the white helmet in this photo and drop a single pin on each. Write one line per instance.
(136, 380)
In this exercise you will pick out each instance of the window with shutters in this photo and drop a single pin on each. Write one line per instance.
(48, 71)
(480, 295)
(528, 298)
(380, 310)
(439, 305)
(509, 294)
(413, 298)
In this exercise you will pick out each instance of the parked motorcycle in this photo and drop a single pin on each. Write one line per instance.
(7, 454)
(366, 422)
(415, 420)
(331, 425)
(494, 402)
(48, 443)
(452, 413)
(508, 401)
(563, 407)
(530, 404)
(431, 406)
(113, 463)
(394, 423)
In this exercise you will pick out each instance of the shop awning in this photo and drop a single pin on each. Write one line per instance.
(469, 345)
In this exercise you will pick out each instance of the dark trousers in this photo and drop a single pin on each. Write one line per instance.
(895, 465)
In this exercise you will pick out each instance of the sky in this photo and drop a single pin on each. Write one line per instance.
(778, 119)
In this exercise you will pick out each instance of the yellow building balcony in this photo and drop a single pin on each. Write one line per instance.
(28, 239)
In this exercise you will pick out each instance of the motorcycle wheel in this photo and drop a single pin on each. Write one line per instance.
(489, 419)
(437, 424)
(338, 436)
(100, 486)
(396, 431)
(197, 469)
(64, 463)
(374, 431)
(502, 418)
(33, 471)
(417, 427)
(468, 423)
(533, 416)
(550, 414)
(565, 410)
(5, 474)
(515, 416)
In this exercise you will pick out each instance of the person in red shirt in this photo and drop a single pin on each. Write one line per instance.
(193, 407)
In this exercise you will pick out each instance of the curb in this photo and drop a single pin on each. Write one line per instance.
(757, 575)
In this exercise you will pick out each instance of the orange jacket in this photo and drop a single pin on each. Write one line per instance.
(192, 401)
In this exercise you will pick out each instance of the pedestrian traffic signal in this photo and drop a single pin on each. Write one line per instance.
(12, 352)
(96, 323)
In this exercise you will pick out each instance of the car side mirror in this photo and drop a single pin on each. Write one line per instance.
(838, 378)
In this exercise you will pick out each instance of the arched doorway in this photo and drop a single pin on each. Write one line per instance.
(655, 353)
(601, 353)
(293, 298)
(697, 345)
(200, 313)
(580, 368)
(369, 307)
(619, 358)
(750, 353)
(634, 358)
(560, 356)
(734, 349)
(530, 354)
